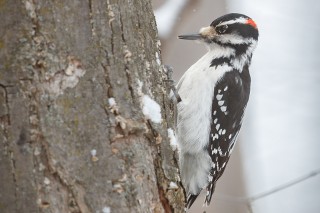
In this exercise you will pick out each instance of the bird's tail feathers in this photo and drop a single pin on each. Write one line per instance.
(210, 190)
(190, 200)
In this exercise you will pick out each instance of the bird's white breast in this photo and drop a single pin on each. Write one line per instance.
(196, 89)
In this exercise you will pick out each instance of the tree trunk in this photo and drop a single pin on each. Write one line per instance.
(73, 135)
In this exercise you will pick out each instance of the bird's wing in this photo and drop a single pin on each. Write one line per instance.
(230, 99)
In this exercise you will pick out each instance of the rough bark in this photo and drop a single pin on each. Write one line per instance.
(60, 63)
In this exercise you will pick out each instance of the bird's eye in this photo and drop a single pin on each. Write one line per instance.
(222, 29)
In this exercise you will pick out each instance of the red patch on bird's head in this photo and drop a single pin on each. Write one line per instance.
(252, 23)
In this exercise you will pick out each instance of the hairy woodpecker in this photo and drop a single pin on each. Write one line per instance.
(214, 93)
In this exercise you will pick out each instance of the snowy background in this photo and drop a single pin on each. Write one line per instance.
(276, 164)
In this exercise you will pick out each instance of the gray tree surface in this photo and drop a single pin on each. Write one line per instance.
(73, 136)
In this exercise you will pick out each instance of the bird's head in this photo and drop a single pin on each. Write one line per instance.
(231, 30)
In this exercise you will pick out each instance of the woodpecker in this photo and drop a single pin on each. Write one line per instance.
(214, 94)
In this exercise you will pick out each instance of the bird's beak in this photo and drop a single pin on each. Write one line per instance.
(205, 33)
(190, 37)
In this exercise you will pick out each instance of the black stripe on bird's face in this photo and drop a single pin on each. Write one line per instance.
(244, 30)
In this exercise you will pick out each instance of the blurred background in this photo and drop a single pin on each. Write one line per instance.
(275, 167)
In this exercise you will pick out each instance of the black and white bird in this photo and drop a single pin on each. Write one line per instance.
(214, 93)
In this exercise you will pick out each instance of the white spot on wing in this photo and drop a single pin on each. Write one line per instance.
(215, 112)
(223, 108)
(226, 88)
(215, 120)
(220, 103)
(217, 126)
(223, 131)
(219, 97)
(220, 151)
(216, 136)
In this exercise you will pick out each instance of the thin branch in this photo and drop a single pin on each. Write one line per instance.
(285, 186)
(249, 200)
